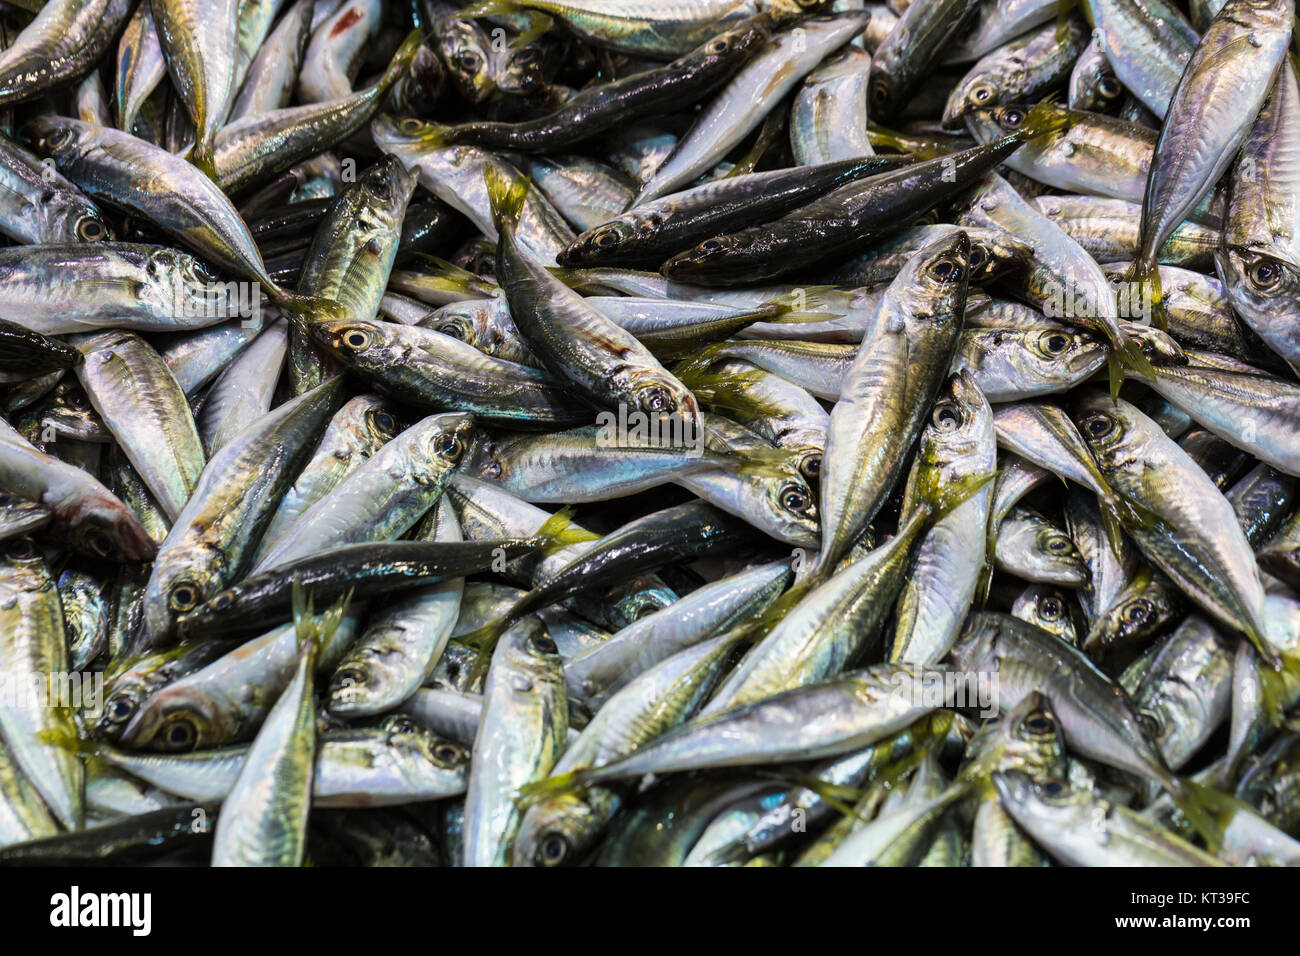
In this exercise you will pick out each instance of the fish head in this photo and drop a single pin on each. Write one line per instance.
(977, 644)
(74, 221)
(180, 585)
(444, 439)
(466, 53)
(101, 525)
(419, 89)
(995, 252)
(179, 718)
(971, 100)
(735, 257)
(557, 831)
(730, 46)
(358, 343)
(603, 244)
(1111, 427)
(657, 394)
(1050, 800)
(955, 457)
(1262, 288)
(1141, 609)
(933, 282)
(59, 137)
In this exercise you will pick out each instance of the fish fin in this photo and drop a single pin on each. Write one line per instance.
(313, 631)
(205, 161)
(1110, 520)
(538, 22)
(401, 61)
(556, 786)
(1146, 274)
(1202, 811)
(507, 191)
(1045, 117)
(302, 310)
(559, 532)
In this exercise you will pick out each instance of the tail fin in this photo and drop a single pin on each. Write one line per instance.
(453, 278)
(507, 191)
(302, 310)
(400, 62)
(548, 787)
(559, 532)
(201, 156)
(1146, 273)
(538, 23)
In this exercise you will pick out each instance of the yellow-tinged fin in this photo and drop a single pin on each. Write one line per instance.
(1197, 804)
(1063, 8)
(538, 22)
(314, 631)
(70, 742)
(559, 532)
(455, 279)
(401, 61)
(204, 160)
(302, 310)
(507, 191)
(768, 134)
(548, 787)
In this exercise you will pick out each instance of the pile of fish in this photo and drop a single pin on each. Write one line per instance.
(682, 432)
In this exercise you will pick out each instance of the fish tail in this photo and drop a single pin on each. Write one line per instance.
(1045, 117)
(506, 192)
(204, 159)
(401, 61)
(548, 787)
(538, 22)
(485, 639)
(1197, 805)
(559, 532)
(1110, 520)
(313, 631)
(1145, 272)
(302, 310)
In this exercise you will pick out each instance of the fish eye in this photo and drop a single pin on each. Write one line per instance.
(880, 94)
(982, 93)
(448, 754)
(448, 446)
(1098, 425)
(60, 137)
(527, 55)
(223, 600)
(356, 339)
(1039, 722)
(545, 645)
(21, 549)
(101, 544)
(183, 597)
(720, 45)
(946, 418)
(1012, 118)
(181, 734)
(710, 245)
(411, 125)
(795, 499)
(1055, 343)
(1051, 788)
(1265, 274)
(467, 61)
(605, 239)
(1137, 612)
(976, 257)
(552, 850)
(1108, 86)
(1058, 544)
(453, 329)
(90, 229)
(1049, 609)
(811, 466)
(383, 421)
(119, 709)
(946, 270)
(78, 400)
(658, 400)
(351, 676)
